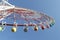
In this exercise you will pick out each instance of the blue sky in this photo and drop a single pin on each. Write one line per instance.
(50, 7)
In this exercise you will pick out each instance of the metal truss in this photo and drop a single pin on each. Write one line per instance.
(9, 11)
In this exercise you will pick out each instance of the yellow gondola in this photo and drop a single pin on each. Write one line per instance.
(14, 29)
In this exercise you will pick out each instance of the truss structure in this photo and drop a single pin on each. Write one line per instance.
(22, 17)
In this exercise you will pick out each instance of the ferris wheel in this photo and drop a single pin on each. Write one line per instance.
(18, 17)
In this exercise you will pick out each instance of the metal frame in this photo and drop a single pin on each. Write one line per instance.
(7, 9)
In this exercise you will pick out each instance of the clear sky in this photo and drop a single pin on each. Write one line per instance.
(50, 7)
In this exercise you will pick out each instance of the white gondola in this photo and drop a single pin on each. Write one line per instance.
(2, 28)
